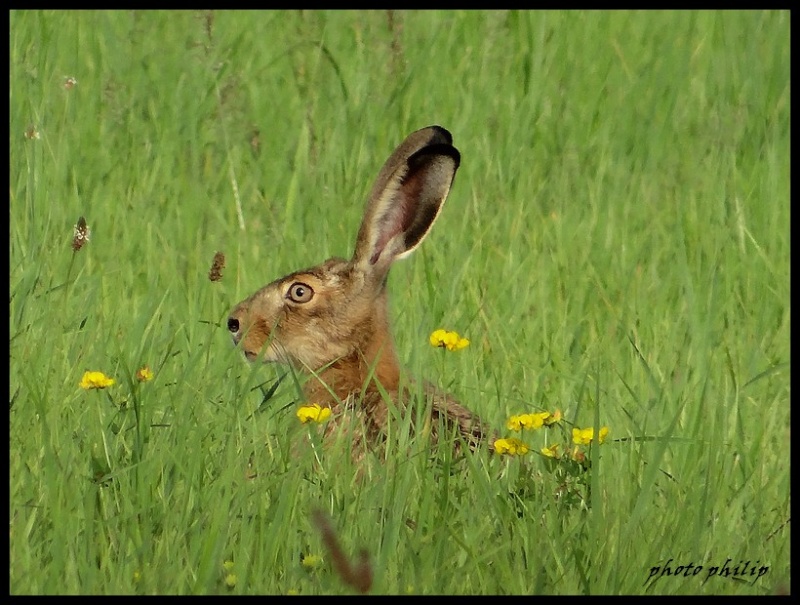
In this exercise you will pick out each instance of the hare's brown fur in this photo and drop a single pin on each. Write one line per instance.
(332, 321)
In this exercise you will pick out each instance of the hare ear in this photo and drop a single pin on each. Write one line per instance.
(406, 199)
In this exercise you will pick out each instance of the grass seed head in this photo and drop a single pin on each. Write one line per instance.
(215, 274)
(81, 234)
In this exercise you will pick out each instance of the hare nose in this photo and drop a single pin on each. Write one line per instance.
(233, 325)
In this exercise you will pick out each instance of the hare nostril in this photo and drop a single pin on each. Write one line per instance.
(233, 324)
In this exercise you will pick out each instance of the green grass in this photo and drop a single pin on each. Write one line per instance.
(616, 246)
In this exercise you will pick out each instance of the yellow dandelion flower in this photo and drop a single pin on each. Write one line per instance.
(448, 340)
(227, 565)
(313, 413)
(511, 446)
(601, 436)
(550, 452)
(230, 580)
(95, 380)
(144, 374)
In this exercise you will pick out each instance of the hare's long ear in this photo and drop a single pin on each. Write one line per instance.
(406, 199)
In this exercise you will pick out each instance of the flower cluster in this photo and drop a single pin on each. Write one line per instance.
(565, 457)
(512, 446)
(585, 436)
(313, 413)
(532, 421)
(448, 340)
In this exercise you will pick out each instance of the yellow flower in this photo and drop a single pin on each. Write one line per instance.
(95, 380)
(227, 565)
(582, 436)
(585, 436)
(144, 374)
(314, 412)
(514, 423)
(448, 340)
(578, 456)
(293, 591)
(527, 421)
(551, 452)
(511, 446)
(437, 338)
(553, 418)
(311, 561)
(137, 576)
(230, 580)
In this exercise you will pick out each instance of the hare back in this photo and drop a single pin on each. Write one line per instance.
(364, 420)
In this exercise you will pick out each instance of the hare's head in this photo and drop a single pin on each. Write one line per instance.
(337, 311)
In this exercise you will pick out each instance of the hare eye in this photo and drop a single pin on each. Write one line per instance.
(300, 292)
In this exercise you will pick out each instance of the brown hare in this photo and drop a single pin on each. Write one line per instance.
(332, 321)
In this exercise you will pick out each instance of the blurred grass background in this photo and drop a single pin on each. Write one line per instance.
(616, 246)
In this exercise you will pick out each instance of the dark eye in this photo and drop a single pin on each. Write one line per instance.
(300, 292)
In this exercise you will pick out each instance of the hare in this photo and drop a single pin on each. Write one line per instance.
(332, 321)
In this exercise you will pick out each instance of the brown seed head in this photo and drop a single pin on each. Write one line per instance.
(81, 235)
(215, 274)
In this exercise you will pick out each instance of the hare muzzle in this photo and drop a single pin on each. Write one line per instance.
(248, 332)
(235, 328)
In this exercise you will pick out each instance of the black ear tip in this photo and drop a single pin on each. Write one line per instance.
(435, 149)
(456, 155)
(441, 135)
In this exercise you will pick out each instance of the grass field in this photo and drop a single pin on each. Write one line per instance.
(615, 247)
